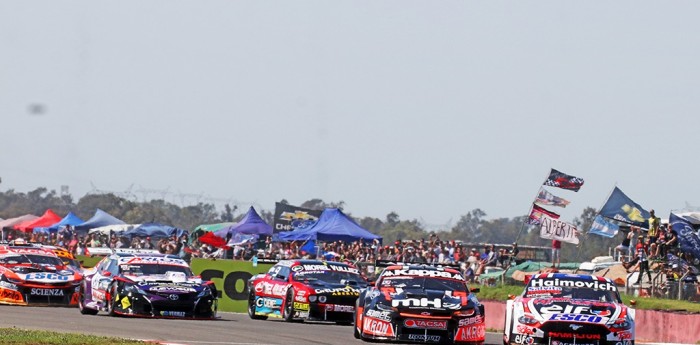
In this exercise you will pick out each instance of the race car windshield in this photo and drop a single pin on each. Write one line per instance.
(575, 289)
(31, 259)
(425, 283)
(154, 269)
(332, 277)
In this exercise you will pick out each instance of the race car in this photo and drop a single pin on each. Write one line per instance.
(146, 284)
(563, 309)
(306, 289)
(67, 257)
(33, 275)
(420, 303)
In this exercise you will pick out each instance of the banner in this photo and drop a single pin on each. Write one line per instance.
(621, 208)
(231, 280)
(537, 212)
(560, 180)
(555, 229)
(288, 217)
(687, 237)
(544, 197)
(604, 228)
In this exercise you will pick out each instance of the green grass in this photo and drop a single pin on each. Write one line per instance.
(16, 336)
(501, 292)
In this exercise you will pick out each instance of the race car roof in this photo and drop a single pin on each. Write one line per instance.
(124, 258)
(5, 250)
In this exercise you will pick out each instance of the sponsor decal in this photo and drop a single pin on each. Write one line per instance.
(47, 276)
(272, 303)
(344, 291)
(152, 260)
(595, 284)
(571, 335)
(415, 302)
(576, 317)
(377, 327)
(340, 308)
(301, 306)
(423, 337)
(569, 309)
(377, 314)
(303, 314)
(525, 330)
(626, 335)
(172, 313)
(172, 288)
(46, 292)
(471, 333)
(423, 273)
(425, 324)
(271, 289)
(329, 267)
(543, 290)
(300, 296)
(8, 285)
(125, 302)
(10, 295)
(557, 342)
(471, 321)
(523, 339)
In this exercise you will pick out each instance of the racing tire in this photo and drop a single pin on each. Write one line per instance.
(81, 302)
(112, 300)
(289, 306)
(355, 331)
(251, 308)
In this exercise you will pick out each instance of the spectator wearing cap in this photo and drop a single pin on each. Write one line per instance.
(643, 258)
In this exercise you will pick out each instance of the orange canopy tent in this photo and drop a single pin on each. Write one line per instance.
(47, 219)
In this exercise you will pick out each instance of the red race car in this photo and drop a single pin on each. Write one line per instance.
(306, 289)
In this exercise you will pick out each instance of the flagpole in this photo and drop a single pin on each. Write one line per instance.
(532, 204)
(578, 252)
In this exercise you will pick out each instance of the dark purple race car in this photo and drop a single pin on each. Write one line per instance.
(146, 285)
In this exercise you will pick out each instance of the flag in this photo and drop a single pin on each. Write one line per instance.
(309, 247)
(621, 208)
(288, 217)
(544, 197)
(556, 229)
(560, 180)
(604, 228)
(537, 213)
(687, 237)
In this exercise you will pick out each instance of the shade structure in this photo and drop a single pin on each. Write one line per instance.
(10, 222)
(112, 229)
(250, 224)
(333, 225)
(101, 218)
(47, 219)
(155, 230)
(70, 219)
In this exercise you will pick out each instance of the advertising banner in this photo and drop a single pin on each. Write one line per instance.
(230, 278)
(288, 217)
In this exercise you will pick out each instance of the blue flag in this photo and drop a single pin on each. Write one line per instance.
(687, 237)
(621, 208)
(604, 228)
(309, 247)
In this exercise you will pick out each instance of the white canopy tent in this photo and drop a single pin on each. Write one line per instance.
(116, 228)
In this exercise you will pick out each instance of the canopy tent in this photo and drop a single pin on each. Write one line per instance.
(250, 224)
(333, 225)
(155, 230)
(8, 223)
(70, 219)
(47, 219)
(101, 218)
(115, 228)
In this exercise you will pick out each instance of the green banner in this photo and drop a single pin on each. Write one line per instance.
(231, 280)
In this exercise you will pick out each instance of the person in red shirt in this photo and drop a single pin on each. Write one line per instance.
(556, 253)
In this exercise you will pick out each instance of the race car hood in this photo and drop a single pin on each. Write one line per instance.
(435, 300)
(545, 309)
(168, 277)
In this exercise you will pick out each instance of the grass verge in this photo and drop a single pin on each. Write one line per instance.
(501, 292)
(17, 336)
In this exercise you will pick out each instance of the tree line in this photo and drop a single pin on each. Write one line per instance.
(472, 227)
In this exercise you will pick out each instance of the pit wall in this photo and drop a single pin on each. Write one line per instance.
(651, 325)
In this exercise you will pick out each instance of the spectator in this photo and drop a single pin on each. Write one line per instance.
(556, 254)
(623, 248)
(633, 234)
(654, 223)
(643, 257)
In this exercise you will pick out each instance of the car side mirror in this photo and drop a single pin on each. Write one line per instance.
(475, 290)
(107, 273)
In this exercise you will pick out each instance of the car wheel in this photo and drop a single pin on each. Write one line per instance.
(251, 308)
(289, 306)
(81, 302)
(112, 300)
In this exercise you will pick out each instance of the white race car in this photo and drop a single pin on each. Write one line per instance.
(568, 309)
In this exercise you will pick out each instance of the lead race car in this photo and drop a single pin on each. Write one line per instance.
(420, 303)
(146, 284)
(567, 309)
(32, 275)
(306, 289)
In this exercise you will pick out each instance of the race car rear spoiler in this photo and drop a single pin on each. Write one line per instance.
(387, 263)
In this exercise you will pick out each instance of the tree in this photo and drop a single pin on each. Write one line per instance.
(318, 204)
(468, 228)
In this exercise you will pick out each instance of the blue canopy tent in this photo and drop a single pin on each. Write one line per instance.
(333, 225)
(101, 218)
(250, 224)
(155, 230)
(69, 220)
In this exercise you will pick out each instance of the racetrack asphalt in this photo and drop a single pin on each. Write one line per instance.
(229, 329)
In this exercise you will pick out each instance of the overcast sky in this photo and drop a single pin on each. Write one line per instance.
(426, 108)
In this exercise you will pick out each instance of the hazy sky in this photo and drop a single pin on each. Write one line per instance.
(426, 108)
